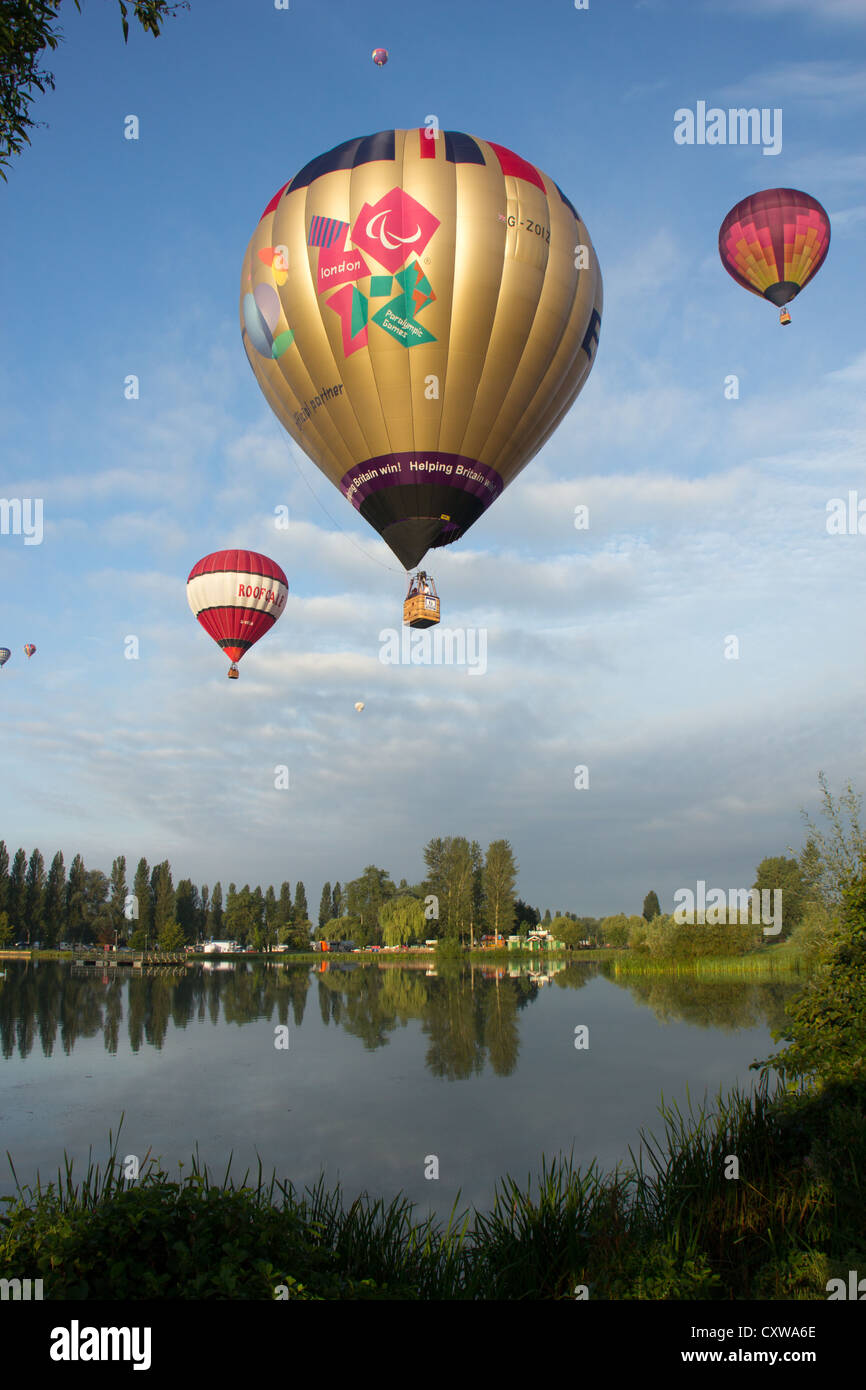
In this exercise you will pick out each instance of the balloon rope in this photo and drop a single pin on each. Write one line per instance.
(339, 527)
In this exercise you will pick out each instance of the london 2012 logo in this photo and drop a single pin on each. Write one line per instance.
(389, 232)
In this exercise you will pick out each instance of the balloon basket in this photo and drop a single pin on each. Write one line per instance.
(421, 607)
(233, 673)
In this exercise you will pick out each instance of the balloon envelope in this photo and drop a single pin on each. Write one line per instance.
(237, 596)
(29, 650)
(439, 311)
(380, 57)
(773, 242)
(4, 655)
(359, 706)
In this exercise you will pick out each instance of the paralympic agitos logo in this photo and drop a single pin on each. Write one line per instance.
(392, 228)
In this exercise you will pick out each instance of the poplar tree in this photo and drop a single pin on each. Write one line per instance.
(325, 905)
(141, 889)
(118, 895)
(214, 925)
(500, 882)
(4, 876)
(17, 876)
(162, 889)
(186, 909)
(34, 894)
(300, 912)
(76, 920)
(55, 901)
(651, 907)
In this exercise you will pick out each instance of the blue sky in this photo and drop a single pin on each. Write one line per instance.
(606, 646)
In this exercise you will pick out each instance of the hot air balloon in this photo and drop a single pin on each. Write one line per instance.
(773, 242)
(237, 597)
(359, 705)
(438, 316)
(4, 655)
(29, 650)
(380, 57)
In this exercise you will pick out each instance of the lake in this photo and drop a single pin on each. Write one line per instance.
(386, 1065)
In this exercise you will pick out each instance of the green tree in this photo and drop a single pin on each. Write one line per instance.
(4, 876)
(15, 894)
(562, 928)
(341, 929)
(827, 1033)
(97, 913)
(786, 876)
(237, 919)
(401, 920)
(651, 907)
(835, 857)
(230, 911)
(526, 917)
(76, 922)
(258, 930)
(615, 930)
(27, 29)
(203, 911)
(366, 896)
(186, 910)
(272, 924)
(55, 901)
(162, 891)
(325, 905)
(300, 911)
(453, 876)
(500, 881)
(337, 900)
(34, 896)
(214, 925)
(143, 923)
(171, 937)
(284, 911)
(638, 933)
(118, 896)
(6, 933)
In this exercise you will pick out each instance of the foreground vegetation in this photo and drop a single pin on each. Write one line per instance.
(671, 1226)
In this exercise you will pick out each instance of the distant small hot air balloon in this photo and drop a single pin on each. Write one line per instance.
(4, 655)
(380, 57)
(237, 596)
(29, 650)
(773, 242)
(359, 705)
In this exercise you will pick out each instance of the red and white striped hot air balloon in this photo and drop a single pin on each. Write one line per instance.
(237, 596)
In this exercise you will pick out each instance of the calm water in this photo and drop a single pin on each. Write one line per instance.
(384, 1067)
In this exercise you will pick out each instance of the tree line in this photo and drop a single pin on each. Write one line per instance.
(465, 895)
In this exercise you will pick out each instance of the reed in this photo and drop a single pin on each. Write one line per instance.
(760, 965)
(676, 1223)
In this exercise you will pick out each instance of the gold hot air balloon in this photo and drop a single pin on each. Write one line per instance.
(434, 313)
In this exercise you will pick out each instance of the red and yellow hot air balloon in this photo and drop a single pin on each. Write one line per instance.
(380, 57)
(773, 242)
(237, 596)
(436, 314)
(29, 650)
